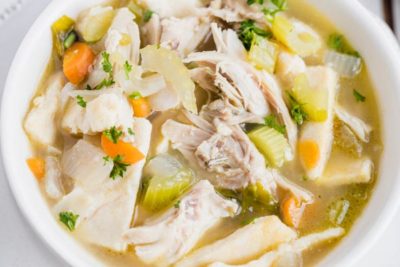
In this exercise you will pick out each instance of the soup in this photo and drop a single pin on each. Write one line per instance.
(204, 133)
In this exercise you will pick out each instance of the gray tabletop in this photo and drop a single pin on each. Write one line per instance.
(21, 247)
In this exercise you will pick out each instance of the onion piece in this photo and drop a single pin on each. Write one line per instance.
(345, 65)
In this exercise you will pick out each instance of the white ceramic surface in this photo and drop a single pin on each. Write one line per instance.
(377, 46)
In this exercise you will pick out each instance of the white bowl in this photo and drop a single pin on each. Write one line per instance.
(365, 32)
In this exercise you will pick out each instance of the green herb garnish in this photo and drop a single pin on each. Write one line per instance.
(338, 43)
(147, 15)
(70, 39)
(119, 168)
(177, 204)
(107, 66)
(250, 2)
(130, 131)
(81, 102)
(359, 97)
(113, 134)
(135, 95)
(272, 122)
(69, 219)
(248, 31)
(278, 6)
(127, 69)
(297, 112)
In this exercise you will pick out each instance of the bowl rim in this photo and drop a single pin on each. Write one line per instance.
(361, 247)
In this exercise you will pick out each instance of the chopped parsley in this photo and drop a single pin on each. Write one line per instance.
(338, 43)
(278, 6)
(297, 112)
(135, 95)
(119, 168)
(130, 131)
(358, 96)
(108, 68)
(272, 122)
(81, 102)
(177, 204)
(248, 31)
(69, 219)
(113, 134)
(250, 2)
(106, 159)
(147, 15)
(127, 69)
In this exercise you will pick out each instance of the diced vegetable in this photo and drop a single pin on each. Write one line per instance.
(346, 139)
(258, 193)
(272, 144)
(169, 180)
(314, 102)
(60, 29)
(345, 65)
(70, 40)
(136, 9)
(263, 54)
(297, 36)
(292, 211)
(169, 64)
(37, 167)
(128, 153)
(141, 107)
(338, 211)
(77, 60)
(309, 153)
(94, 23)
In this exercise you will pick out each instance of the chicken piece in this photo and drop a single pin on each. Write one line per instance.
(53, 178)
(164, 240)
(177, 8)
(360, 128)
(152, 30)
(303, 196)
(204, 77)
(273, 93)
(316, 138)
(289, 252)
(227, 42)
(343, 169)
(183, 35)
(236, 83)
(289, 66)
(262, 235)
(222, 150)
(40, 123)
(235, 11)
(107, 110)
(105, 206)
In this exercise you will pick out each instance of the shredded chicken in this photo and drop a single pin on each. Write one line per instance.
(288, 254)
(166, 239)
(262, 235)
(40, 123)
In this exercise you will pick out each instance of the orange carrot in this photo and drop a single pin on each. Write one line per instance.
(141, 107)
(291, 211)
(129, 153)
(77, 60)
(309, 153)
(37, 167)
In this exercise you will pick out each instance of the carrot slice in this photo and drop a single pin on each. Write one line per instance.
(37, 167)
(129, 153)
(141, 107)
(292, 211)
(77, 60)
(309, 153)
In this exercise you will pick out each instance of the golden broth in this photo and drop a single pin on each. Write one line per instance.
(316, 215)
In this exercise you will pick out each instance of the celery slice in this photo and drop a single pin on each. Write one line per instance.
(263, 54)
(272, 144)
(94, 23)
(314, 102)
(297, 36)
(60, 30)
(162, 191)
